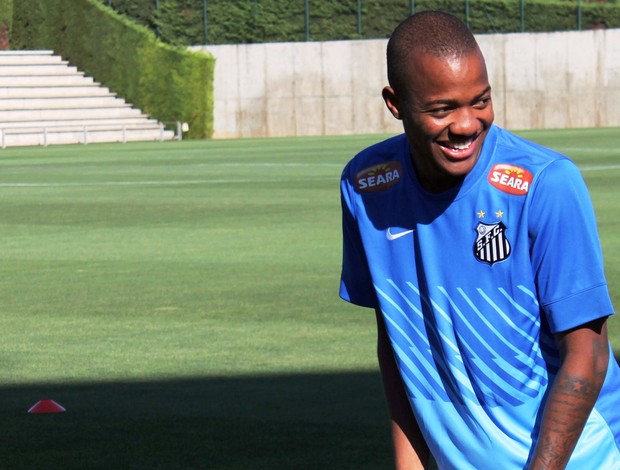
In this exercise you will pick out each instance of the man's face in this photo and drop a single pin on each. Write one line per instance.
(445, 106)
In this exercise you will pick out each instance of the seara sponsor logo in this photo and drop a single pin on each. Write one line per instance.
(379, 177)
(510, 179)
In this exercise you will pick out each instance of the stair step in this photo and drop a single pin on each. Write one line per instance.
(76, 113)
(30, 59)
(78, 102)
(44, 101)
(67, 91)
(56, 126)
(93, 122)
(41, 69)
(22, 52)
(44, 80)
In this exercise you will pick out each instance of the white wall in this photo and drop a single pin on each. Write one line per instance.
(543, 80)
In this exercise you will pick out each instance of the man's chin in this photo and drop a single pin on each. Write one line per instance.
(459, 163)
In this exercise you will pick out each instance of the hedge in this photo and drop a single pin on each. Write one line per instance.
(6, 20)
(169, 83)
(182, 22)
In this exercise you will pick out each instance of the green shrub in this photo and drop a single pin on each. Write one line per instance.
(6, 20)
(248, 21)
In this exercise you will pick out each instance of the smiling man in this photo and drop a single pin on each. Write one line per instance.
(479, 253)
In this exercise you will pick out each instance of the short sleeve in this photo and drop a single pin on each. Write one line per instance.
(565, 249)
(356, 284)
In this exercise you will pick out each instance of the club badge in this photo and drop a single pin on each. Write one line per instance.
(491, 244)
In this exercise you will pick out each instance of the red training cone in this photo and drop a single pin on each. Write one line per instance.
(46, 406)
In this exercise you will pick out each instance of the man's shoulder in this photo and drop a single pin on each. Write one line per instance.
(518, 159)
(521, 149)
(391, 149)
(378, 168)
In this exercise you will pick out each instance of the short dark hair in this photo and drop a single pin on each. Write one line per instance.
(435, 33)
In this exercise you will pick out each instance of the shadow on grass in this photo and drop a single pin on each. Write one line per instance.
(301, 421)
(289, 421)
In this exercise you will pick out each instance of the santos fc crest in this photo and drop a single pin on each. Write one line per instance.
(491, 243)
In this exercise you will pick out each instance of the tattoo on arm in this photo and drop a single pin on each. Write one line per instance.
(566, 416)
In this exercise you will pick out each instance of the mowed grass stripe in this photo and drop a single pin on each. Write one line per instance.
(238, 279)
(235, 241)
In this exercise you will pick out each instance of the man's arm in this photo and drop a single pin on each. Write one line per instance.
(410, 449)
(585, 356)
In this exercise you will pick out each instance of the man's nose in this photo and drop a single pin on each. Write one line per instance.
(465, 122)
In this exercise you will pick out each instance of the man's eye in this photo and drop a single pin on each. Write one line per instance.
(482, 103)
(440, 112)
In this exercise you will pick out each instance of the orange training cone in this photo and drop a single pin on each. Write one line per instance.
(46, 406)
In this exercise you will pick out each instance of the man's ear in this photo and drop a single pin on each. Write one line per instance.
(391, 101)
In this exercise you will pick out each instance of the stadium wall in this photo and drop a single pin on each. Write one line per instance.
(540, 80)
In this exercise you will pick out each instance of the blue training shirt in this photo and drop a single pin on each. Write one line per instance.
(473, 283)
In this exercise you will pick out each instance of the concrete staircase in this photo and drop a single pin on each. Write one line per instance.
(45, 101)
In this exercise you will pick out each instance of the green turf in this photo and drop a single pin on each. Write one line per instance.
(180, 300)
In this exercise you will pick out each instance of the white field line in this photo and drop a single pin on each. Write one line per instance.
(273, 164)
(585, 168)
(599, 167)
(566, 150)
(155, 183)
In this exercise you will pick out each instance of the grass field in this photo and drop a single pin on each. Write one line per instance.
(180, 301)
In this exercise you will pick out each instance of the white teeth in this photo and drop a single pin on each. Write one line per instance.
(462, 146)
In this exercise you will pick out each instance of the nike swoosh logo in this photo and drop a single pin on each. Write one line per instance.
(394, 236)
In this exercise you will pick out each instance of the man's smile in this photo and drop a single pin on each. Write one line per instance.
(459, 149)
